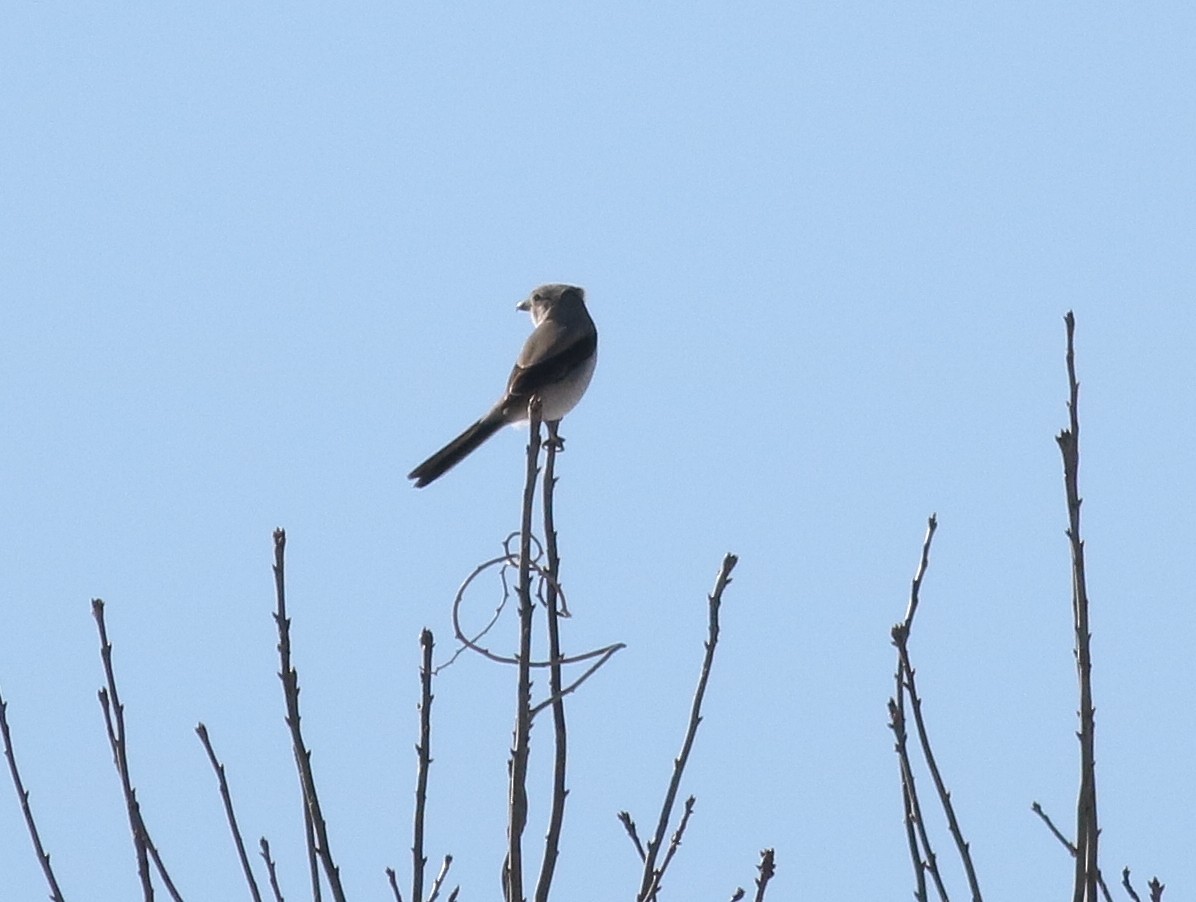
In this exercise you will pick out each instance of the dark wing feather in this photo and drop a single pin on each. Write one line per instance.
(525, 381)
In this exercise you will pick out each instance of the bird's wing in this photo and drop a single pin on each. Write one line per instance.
(552, 351)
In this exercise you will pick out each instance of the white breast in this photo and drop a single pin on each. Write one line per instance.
(563, 397)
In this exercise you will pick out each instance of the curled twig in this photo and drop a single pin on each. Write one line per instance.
(510, 561)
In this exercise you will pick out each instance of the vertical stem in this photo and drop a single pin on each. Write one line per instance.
(315, 827)
(517, 798)
(556, 816)
(1087, 832)
(424, 754)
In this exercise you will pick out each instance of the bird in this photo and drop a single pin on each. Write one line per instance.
(556, 363)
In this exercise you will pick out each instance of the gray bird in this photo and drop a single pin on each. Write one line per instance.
(556, 363)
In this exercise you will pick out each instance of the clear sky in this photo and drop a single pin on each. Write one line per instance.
(258, 260)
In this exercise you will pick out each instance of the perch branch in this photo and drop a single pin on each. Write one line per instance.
(556, 814)
(517, 797)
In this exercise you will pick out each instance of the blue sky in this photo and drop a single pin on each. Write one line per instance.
(256, 263)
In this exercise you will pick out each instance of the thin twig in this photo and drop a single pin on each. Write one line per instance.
(114, 721)
(226, 796)
(905, 675)
(517, 797)
(1087, 830)
(509, 559)
(556, 814)
(1156, 890)
(1125, 881)
(932, 765)
(649, 875)
(1070, 846)
(629, 825)
(922, 855)
(605, 654)
(674, 845)
(392, 879)
(915, 590)
(439, 881)
(43, 857)
(317, 830)
(466, 642)
(768, 869)
(423, 754)
(272, 870)
(921, 852)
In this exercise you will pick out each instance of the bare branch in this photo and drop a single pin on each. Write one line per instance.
(556, 813)
(226, 796)
(271, 870)
(606, 653)
(674, 845)
(43, 857)
(1087, 830)
(114, 720)
(650, 876)
(517, 798)
(509, 559)
(768, 869)
(1125, 881)
(629, 826)
(932, 765)
(317, 830)
(921, 851)
(1070, 846)
(439, 881)
(423, 752)
(392, 879)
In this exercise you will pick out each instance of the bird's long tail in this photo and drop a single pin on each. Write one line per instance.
(457, 450)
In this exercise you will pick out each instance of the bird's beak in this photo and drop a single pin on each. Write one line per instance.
(524, 305)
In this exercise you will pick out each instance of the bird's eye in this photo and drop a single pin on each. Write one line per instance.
(537, 297)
